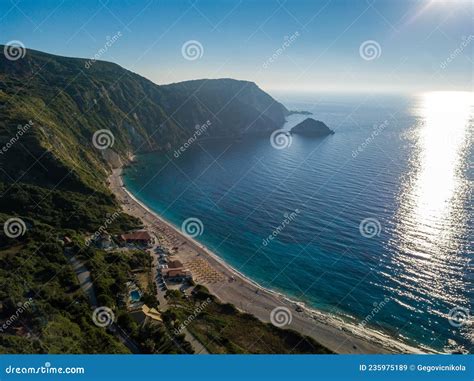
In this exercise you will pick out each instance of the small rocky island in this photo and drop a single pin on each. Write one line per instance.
(311, 127)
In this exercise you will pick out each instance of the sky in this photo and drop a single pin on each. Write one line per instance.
(294, 45)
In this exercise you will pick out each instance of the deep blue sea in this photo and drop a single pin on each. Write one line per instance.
(373, 223)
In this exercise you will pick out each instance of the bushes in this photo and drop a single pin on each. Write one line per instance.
(126, 322)
(34, 265)
(223, 329)
(150, 300)
(63, 209)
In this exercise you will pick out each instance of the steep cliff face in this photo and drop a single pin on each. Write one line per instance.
(63, 123)
(242, 102)
(69, 99)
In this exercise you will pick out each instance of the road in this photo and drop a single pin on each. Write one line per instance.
(198, 348)
(84, 277)
(85, 281)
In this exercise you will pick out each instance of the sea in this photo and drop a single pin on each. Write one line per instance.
(373, 224)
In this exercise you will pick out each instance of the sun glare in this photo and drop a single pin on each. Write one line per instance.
(434, 190)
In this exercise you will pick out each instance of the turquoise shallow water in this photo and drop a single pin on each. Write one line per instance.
(373, 223)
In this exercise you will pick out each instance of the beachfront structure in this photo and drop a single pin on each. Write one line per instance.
(176, 274)
(141, 237)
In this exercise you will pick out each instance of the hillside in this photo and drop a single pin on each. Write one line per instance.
(68, 102)
(53, 178)
(228, 97)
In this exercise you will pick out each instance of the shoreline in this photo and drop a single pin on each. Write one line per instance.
(231, 286)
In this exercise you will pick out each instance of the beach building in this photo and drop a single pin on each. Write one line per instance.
(141, 238)
(177, 274)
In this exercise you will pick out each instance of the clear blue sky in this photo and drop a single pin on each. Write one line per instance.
(238, 37)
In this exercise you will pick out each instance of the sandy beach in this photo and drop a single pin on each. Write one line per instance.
(231, 286)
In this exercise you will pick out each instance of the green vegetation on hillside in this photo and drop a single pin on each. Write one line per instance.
(221, 328)
(54, 180)
(68, 103)
(110, 271)
(58, 319)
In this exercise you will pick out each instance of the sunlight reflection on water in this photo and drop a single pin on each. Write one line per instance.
(432, 223)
